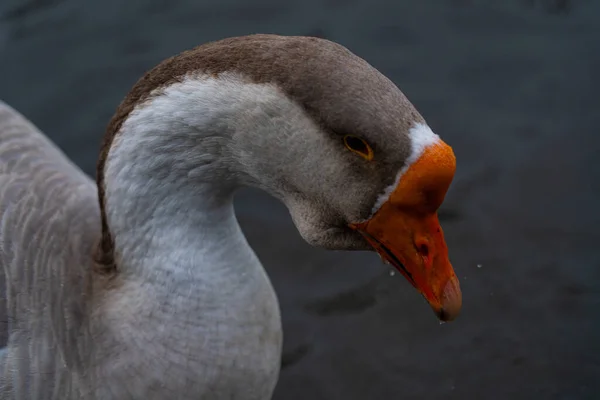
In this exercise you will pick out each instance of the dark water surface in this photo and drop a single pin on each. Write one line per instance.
(511, 85)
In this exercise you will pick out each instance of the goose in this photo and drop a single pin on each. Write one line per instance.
(141, 285)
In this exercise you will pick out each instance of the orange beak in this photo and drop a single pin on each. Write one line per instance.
(406, 231)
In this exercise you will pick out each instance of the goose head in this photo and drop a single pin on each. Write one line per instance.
(334, 139)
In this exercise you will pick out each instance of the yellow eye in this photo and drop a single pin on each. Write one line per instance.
(358, 146)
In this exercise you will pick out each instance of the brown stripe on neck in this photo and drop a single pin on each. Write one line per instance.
(307, 69)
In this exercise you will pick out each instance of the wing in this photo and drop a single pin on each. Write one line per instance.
(49, 222)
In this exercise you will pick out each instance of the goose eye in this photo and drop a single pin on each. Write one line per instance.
(358, 146)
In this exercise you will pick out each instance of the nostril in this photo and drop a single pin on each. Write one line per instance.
(422, 247)
(424, 250)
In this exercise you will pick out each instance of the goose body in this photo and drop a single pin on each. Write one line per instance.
(141, 285)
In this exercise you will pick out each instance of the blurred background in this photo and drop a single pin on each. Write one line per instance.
(512, 85)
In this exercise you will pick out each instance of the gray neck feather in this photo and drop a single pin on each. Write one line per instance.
(171, 176)
(188, 274)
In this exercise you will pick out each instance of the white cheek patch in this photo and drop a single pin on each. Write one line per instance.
(421, 137)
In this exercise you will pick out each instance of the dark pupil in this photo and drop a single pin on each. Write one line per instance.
(356, 144)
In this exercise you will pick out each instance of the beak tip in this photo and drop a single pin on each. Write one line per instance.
(451, 303)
